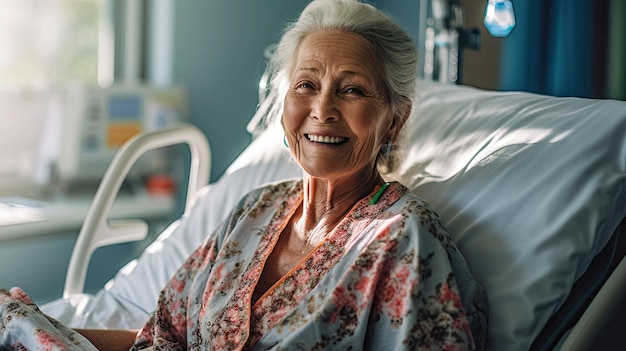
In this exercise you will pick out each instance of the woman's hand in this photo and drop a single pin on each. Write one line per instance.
(109, 339)
(18, 294)
(102, 339)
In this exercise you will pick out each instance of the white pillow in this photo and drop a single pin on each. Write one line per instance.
(531, 187)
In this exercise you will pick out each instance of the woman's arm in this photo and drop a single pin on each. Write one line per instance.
(109, 339)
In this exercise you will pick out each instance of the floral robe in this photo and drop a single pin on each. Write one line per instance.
(24, 327)
(388, 277)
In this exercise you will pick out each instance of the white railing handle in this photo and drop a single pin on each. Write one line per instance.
(97, 231)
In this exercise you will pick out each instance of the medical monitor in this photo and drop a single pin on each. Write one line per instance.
(57, 138)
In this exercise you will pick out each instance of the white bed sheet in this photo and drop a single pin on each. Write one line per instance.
(530, 186)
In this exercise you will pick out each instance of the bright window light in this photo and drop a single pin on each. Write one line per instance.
(48, 43)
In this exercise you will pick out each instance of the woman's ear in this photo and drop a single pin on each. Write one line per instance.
(398, 123)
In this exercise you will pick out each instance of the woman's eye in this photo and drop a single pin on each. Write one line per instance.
(304, 86)
(355, 91)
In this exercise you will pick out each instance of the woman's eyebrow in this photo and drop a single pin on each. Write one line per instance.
(310, 69)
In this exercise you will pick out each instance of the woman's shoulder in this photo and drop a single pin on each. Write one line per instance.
(270, 193)
(418, 215)
(276, 188)
(411, 202)
(263, 200)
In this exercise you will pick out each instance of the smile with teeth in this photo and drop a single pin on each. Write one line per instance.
(326, 139)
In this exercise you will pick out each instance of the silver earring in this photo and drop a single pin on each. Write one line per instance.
(386, 149)
(285, 141)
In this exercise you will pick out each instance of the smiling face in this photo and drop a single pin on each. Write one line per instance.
(336, 111)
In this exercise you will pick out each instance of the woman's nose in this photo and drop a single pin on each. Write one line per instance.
(325, 107)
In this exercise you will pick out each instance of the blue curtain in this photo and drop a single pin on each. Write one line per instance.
(558, 47)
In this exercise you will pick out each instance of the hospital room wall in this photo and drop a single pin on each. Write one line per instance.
(218, 56)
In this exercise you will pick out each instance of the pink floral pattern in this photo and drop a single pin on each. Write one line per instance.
(24, 327)
(387, 277)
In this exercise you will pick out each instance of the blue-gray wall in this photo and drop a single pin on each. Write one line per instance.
(218, 46)
(218, 57)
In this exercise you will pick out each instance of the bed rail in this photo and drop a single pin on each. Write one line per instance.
(97, 230)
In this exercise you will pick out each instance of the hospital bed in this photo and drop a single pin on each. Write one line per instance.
(531, 187)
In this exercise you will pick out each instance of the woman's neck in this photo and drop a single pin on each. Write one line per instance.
(327, 202)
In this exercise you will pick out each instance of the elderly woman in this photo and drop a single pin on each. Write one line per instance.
(340, 259)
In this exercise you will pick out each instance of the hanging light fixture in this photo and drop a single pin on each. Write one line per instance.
(499, 17)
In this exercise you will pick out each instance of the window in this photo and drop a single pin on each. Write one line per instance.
(52, 47)
(47, 43)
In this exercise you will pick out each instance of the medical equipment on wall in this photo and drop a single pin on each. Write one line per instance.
(57, 145)
(87, 126)
(499, 17)
(445, 36)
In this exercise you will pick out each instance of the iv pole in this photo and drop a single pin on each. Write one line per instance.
(444, 39)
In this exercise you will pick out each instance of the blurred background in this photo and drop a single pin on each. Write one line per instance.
(215, 50)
